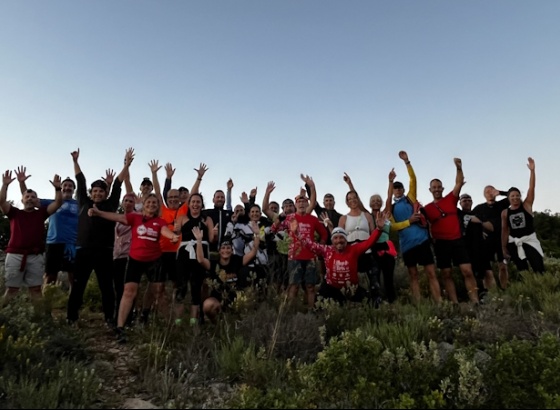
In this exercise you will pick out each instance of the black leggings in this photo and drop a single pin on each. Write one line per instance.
(533, 257)
(189, 271)
(386, 264)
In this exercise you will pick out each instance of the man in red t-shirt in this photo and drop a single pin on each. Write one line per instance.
(25, 262)
(449, 246)
(301, 261)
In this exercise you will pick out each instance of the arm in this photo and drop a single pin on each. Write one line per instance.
(351, 187)
(459, 178)
(369, 218)
(212, 233)
(228, 194)
(128, 158)
(266, 201)
(252, 196)
(128, 185)
(316, 248)
(200, 173)
(57, 184)
(412, 188)
(110, 216)
(169, 234)
(21, 177)
(199, 251)
(6, 180)
(389, 201)
(327, 222)
(169, 171)
(248, 257)
(505, 234)
(313, 196)
(399, 226)
(109, 178)
(530, 198)
(155, 167)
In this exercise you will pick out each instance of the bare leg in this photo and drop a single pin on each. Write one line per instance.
(9, 295)
(212, 308)
(129, 294)
(489, 281)
(504, 276)
(435, 289)
(450, 285)
(414, 284)
(470, 281)
(310, 289)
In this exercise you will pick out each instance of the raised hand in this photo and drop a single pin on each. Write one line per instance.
(382, 218)
(75, 155)
(531, 164)
(392, 175)
(169, 170)
(307, 179)
(458, 163)
(229, 184)
(347, 178)
(56, 182)
(244, 198)
(253, 192)
(270, 187)
(201, 170)
(20, 174)
(403, 155)
(109, 177)
(128, 156)
(7, 178)
(325, 218)
(154, 165)
(255, 227)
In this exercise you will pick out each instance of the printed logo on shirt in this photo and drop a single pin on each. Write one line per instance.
(518, 221)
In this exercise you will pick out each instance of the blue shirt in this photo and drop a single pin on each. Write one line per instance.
(415, 234)
(63, 224)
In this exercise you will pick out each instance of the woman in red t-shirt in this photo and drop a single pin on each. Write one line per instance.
(145, 251)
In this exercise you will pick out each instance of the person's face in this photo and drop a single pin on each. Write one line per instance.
(375, 202)
(238, 210)
(173, 199)
(183, 196)
(301, 205)
(274, 207)
(255, 214)
(398, 192)
(29, 201)
(328, 202)
(288, 208)
(145, 189)
(226, 251)
(514, 198)
(128, 204)
(195, 204)
(150, 207)
(339, 242)
(436, 188)
(219, 199)
(466, 204)
(352, 201)
(489, 193)
(98, 194)
(67, 190)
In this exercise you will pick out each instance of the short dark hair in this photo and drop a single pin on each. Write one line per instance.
(146, 181)
(68, 179)
(99, 184)
(183, 189)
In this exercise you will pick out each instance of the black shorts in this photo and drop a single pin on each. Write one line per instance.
(135, 269)
(493, 249)
(57, 259)
(419, 255)
(450, 252)
(169, 266)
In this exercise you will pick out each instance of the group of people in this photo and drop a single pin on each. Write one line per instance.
(169, 235)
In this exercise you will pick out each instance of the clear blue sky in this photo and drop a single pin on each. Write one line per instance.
(266, 90)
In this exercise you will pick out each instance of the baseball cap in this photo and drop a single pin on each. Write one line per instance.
(398, 184)
(99, 184)
(339, 231)
(464, 196)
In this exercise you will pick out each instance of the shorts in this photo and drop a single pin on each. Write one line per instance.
(450, 252)
(30, 276)
(59, 257)
(168, 266)
(419, 255)
(493, 249)
(303, 272)
(135, 269)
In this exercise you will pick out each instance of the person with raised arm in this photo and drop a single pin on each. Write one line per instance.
(449, 246)
(301, 261)
(60, 250)
(414, 238)
(25, 263)
(519, 239)
(145, 251)
(341, 260)
(96, 237)
(183, 191)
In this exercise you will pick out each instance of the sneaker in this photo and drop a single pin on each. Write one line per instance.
(120, 334)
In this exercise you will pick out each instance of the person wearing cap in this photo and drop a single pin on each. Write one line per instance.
(60, 250)
(24, 263)
(449, 245)
(341, 260)
(301, 262)
(519, 239)
(414, 239)
(490, 212)
(96, 237)
(473, 235)
(224, 273)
